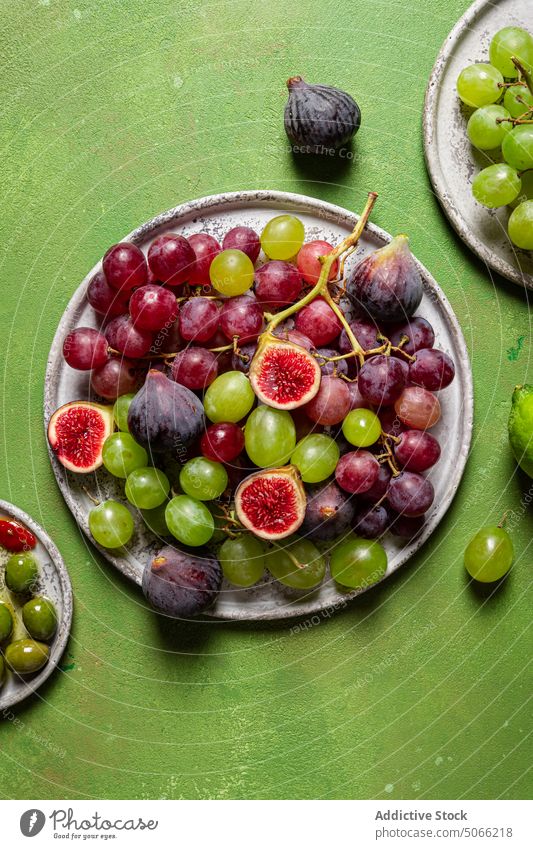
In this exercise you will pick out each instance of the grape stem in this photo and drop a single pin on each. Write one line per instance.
(528, 79)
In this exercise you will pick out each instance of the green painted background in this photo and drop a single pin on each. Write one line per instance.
(111, 112)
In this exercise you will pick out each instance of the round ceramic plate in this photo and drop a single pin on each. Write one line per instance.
(216, 215)
(54, 583)
(450, 158)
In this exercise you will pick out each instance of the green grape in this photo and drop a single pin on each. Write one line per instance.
(229, 398)
(221, 522)
(231, 272)
(147, 488)
(298, 564)
(243, 559)
(517, 147)
(361, 428)
(496, 185)
(520, 226)
(122, 455)
(517, 100)
(357, 563)
(6, 622)
(282, 237)
(154, 520)
(111, 524)
(120, 411)
(479, 85)
(508, 42)
(189, 520)
(269, 436)
(489, 554)
(316, 457)
(483, 128)
(203, 479)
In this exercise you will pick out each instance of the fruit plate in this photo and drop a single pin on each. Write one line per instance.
(215, 215)
(54, 583)
(450, 159)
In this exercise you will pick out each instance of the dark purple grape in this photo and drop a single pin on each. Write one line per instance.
(242, 360)
(371, 522)
(417, 450)
(124, 266)
(181, 584)
(390, 422)
(419, 332)
(85, 348)
(410, 494)
(328, 514)
(171, 259)
(223, 441)
(104, 299)
(407, 526)
(380, 487)
(277, 284)
(366, 334)
(243, 239)
(242, 317)
(199, 319)
(294, 336)
(167, 340)
(432, 369)
(127, 339)
(357, 471)
(205, 249)
(153, 307)
(335, 367)
(118, 376)
(381, 380)
(195, 368)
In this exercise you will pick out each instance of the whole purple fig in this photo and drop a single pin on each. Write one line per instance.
(164, 415)
(387, 283)
(181, 584)
(319, 118)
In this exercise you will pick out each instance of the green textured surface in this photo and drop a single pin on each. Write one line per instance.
(111, 113)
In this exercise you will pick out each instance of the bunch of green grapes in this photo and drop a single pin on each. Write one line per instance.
(502, 95)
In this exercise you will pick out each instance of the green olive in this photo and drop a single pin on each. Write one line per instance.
(40, 618)
(6, 622)
(26, 656)
(21, 572)
(2, 670)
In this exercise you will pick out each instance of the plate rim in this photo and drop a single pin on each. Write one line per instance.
(326, 211)
(64, 628)
(436, 175)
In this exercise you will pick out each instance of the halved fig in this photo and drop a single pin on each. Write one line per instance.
(283, 375)
(271, 503)
(77, 432)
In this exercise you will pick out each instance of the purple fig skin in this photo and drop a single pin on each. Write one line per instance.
(329, 513)
(180, 584)
(387, 282)
(165, 416)
(319, 118)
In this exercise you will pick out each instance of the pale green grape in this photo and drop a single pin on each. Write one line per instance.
(189, 520)
(154, 519)
(316, 457)
(269, 436)
(520, 226)
(120, 411)
(203, 479)
(298, 564)
(243, 559)
(508, 42)
(517, 100)
(483, 128)
(147, 488)
(282, 237)
(517, 147)
(496, 185)
(361, 427)
(229, 398)
(231, 272)
(357, 563)
(478, 85)
(111, 524)
(489, 554)
(122, 455)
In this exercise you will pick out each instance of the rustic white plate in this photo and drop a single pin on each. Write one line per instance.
(451, 160)
(216, 215)
(54, 583)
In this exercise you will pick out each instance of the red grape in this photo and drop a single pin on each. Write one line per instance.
(205, 249)
(406, 526)
(318, 321)
(85, 348)
(242, 360)
(357, 471)
(390, 422)
(419, 332)
(153, 307)
(277, 283)
(357, 402)
(127, 339)
(331, 404)
(371, 522)
(223, 442)
(308, 263)
(379, 488)
(168, 339)
(104, 299)
(116, 377)
(243, 317)
(199, 318)
(417, 450)
(366, 334)
(195, 368)
(294, 336)
(124, 266)
(410, 494)
(243, 239)
(335, 367)
(418, 408)
(432, 369)
(381, 380)
(171, 258)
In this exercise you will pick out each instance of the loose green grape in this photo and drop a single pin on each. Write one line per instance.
(229, 398)
(282, 237)
(361, 427)
(269, 436)
(496, 185)
(120, 411)
(231, 272)
(243, 559)
(298, 563)
(520, 226)
(489, 554)
(508, 42)
(358, 563)
(189, 520)
(6, 622)
(111, 524)
(488, 126)
(316, 457)
(203, 479)
(517, 100)
(147, 487)
(21, 572)
(479, 85)
(122, 455)
(40, 618)
(517, 147)
(154, 520)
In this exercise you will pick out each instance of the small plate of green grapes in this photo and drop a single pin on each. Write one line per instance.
(478, 134)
